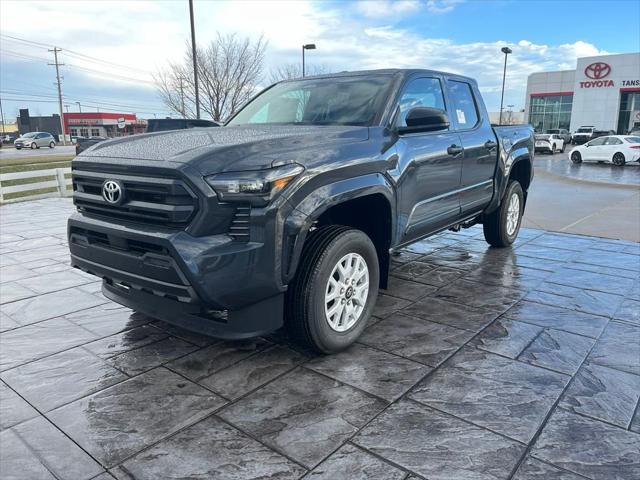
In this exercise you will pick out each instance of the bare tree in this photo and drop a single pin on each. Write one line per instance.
(289, 71)
(229, 69)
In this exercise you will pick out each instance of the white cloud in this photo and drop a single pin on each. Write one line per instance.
(442, 6)
(386, 8)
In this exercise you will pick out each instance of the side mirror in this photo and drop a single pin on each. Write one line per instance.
(425, 119)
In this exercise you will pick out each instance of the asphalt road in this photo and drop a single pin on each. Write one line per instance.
(560, 165)
(58, 151)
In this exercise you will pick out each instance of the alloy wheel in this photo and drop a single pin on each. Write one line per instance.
(513, 214)
(346, 292)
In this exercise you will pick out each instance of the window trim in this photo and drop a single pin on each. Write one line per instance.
(396, 110)
(479, 118)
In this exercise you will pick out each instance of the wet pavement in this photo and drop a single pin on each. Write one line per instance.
(560, 164)
(521, 363)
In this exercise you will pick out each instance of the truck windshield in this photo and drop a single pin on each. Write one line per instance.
(585, 130)
(323, 101)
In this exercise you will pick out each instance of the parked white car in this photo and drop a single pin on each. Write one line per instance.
(617, 149)
(551, 143)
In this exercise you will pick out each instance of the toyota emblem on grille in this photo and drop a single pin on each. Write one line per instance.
(112, 192)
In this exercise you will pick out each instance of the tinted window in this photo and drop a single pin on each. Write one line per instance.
(597, 141)
(421, 92)
(323, 101)
(463, 109)
(632, 139)
(612, 141)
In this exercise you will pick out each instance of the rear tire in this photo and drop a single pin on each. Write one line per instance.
(564, 145)
(576, 157)
(501, 227)
(619, 160)
(314, 318)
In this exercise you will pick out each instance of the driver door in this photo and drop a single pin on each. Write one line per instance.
(595, 149)
(429, 165)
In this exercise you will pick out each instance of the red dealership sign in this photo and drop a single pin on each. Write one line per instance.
(597, 70)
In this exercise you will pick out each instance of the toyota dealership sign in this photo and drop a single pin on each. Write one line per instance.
(597, 73)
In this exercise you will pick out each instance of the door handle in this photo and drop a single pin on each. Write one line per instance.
(454, 150)
(490, 144)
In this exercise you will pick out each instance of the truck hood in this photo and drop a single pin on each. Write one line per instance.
(213, 150)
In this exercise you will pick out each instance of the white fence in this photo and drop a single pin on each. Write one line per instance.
(41, 179)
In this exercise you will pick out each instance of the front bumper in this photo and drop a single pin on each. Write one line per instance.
(211, 284)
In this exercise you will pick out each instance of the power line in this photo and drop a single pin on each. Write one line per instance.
(92, 104)
(23, 55)
(114, 75)
(78, 54)
(82, 99)
(99, 100)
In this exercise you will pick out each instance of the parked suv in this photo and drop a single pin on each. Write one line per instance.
(549, 143)
(583, 134)
(35, 140)
(290, 212)
(562, 132)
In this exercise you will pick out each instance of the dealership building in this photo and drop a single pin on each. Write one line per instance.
(602, 91)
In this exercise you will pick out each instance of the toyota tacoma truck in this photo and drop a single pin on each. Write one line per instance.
(289, 213)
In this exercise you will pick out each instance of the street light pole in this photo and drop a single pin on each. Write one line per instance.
(506, 51)
(79, 107)
(195, 60)
(308, 46)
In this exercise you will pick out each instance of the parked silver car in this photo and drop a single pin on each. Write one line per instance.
(35, 140)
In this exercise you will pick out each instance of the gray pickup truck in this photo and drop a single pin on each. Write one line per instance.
(288, 214)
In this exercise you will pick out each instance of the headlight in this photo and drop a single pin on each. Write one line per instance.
(257, 187)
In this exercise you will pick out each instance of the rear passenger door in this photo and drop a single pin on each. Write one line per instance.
(479, 143)
(429, 164)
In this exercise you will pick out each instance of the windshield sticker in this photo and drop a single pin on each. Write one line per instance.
(461, 117)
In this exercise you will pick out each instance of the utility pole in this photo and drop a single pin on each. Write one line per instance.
(2, 117)
(195, 62)
(55, 55)
(79, 107)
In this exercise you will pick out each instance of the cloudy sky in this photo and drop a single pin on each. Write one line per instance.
(112, 48)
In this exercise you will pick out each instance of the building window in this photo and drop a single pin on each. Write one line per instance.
(552, 111)
(74, 132)
(95, 132)
(629, 116)
(84, 132)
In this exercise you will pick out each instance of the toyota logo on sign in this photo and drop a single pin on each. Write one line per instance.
(597, 70)
(112, 192)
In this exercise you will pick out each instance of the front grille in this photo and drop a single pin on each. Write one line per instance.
(239, 229)
(152, 200)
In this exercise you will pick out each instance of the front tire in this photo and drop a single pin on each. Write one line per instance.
(335, 289)
(619, 160)
(51, 145)
(33, 146)
(576, 157)
(501, 227)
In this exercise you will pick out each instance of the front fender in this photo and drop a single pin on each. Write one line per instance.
(307, 211)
